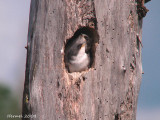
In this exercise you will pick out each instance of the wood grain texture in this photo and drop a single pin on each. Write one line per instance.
(109, 91)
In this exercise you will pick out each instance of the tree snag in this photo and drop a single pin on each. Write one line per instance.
(108, 89)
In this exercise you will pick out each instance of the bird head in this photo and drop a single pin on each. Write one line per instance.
(78, 47)
(81, 39)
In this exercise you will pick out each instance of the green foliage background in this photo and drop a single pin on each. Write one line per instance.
(8, 104)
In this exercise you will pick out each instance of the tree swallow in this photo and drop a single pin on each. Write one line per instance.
(77, 53)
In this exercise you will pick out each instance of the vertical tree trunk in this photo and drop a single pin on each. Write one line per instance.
(109, 89)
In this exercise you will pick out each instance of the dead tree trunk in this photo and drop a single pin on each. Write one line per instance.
(109, 89)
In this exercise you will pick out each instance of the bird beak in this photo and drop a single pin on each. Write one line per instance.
(83, 45)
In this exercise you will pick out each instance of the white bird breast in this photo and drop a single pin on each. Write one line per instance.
(79, 62)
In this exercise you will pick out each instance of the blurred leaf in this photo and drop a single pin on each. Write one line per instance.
(8, 104)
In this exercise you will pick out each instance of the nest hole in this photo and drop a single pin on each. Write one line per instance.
(71, 50)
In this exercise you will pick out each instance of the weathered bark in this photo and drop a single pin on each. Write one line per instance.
(108, 90)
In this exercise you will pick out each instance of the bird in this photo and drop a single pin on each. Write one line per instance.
(77, 53)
